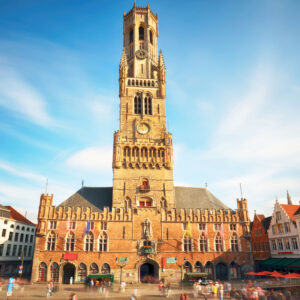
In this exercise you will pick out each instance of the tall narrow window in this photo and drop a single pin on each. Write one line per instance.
(148, 105)
(151, 37)
(54, 272)
(142, 68)
(203, 243)
(219, 242)
(123, 232)
(187, 242)
(89, 242)
(103, 242)
(234, 243)
(43, 272)
(137, 105)
(70, 242)
(131, 36)
(51, 241)
(82, 272)
(141, 33)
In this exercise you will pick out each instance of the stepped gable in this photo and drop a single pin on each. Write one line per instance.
(191, 197)
(95, 197)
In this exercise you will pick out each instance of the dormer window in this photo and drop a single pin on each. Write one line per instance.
(141, 33)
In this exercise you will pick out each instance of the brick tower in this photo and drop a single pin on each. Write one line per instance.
(143, 151)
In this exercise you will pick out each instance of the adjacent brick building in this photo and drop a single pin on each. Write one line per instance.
(143, 226)
(259, 239)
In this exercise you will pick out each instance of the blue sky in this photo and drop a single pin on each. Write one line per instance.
(233, 91)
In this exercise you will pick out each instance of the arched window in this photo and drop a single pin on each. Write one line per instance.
(42, 272)
(94, 268)
(89, 242)
(187, 267)
(12, 226)
(51, 241)
(131, 36)
(141, 33)
(127, 203)
(105, 269)
(234, 243)
(209, 268)
(203, 243)
(137, 105)
(81, 272)
(219, 242)
(198, 267)
(187, 244)
(234, 270)
(70, 242)
(163, 203)
(151, 37)
(148, 105)
(103, 242)
(54, 272)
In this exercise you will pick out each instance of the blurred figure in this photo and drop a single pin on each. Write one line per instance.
(10, 286)
(73, 296)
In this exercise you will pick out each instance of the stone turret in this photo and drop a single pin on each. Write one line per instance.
(289, 199)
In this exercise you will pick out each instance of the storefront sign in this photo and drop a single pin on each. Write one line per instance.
(171, 260)
(70, 256)
(123, 260)
(286, 252)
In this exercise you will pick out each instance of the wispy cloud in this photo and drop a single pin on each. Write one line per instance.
(21, 98)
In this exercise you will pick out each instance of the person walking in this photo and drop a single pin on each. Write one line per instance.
(10, 286)
(221, 292)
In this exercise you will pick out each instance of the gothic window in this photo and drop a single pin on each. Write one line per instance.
(188, 267)
(209, 268)
(137, 105)
(54, 272)
(198, 267)
(89, 242)
(103, 242)
(148, 105)
(151, 37)
(70, 242)
(51, 241)
(203, 243)
(127, 203)
(163, 203)
(43, 272)
(234, 243)
(219, 242)
(94, 268)
(187, 244)
(81, 272)
(141, 33)
(131, 36)
(105, 269)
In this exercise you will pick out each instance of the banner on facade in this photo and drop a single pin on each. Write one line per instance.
(171, 260)
(70, 256)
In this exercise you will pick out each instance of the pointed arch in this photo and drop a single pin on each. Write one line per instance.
(103, 242)
(42, 272)
(105, 268)
(70, 241)
(234, 245)
(163, 203)
(141, 33)
(94, 268)
(51, 241)
(198, 267)
(187, 266)
(89, 242)
(203, 243)
(54, 272)
(82, 272)
(219, 242)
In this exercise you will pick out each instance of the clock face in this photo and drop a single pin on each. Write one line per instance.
(141, 54)
(142, 128)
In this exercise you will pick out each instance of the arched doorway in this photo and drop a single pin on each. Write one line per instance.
(149, 272)
(69, 271)
(221, 271)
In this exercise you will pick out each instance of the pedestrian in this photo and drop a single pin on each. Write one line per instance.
(48, 292)
(73, 296)
(71, 280)
(221, 292)
(10, 286)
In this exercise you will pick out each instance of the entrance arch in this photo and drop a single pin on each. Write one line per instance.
(221, 271)
(149, 271)
(68, 272)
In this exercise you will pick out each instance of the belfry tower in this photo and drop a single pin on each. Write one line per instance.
(143, 150)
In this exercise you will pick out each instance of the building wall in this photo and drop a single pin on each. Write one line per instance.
(275, 236)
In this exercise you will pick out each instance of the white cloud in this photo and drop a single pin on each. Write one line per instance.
(21, 98)
(92, 159)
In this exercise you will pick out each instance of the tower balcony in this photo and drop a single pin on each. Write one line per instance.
(144, 188)
(150, 83)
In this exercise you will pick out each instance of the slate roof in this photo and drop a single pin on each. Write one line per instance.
(190, 197)
(185, 197)
(95, 197)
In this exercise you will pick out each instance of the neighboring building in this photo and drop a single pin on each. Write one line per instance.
(16, 244)
(283, 237)
(143, 225)
(259, 239)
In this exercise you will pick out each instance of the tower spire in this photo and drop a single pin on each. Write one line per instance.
(289, 199)
(122, 73)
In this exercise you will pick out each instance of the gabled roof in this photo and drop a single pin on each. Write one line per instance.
(260, 217)
(17, 216)
(290, 210)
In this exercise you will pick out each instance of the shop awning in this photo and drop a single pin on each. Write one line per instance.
(270, 262)
(102, 276)
(281, 262)
(295, 263)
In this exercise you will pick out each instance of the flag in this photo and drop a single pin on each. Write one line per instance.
(87, 228)
(222, 231)
(188, 231)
